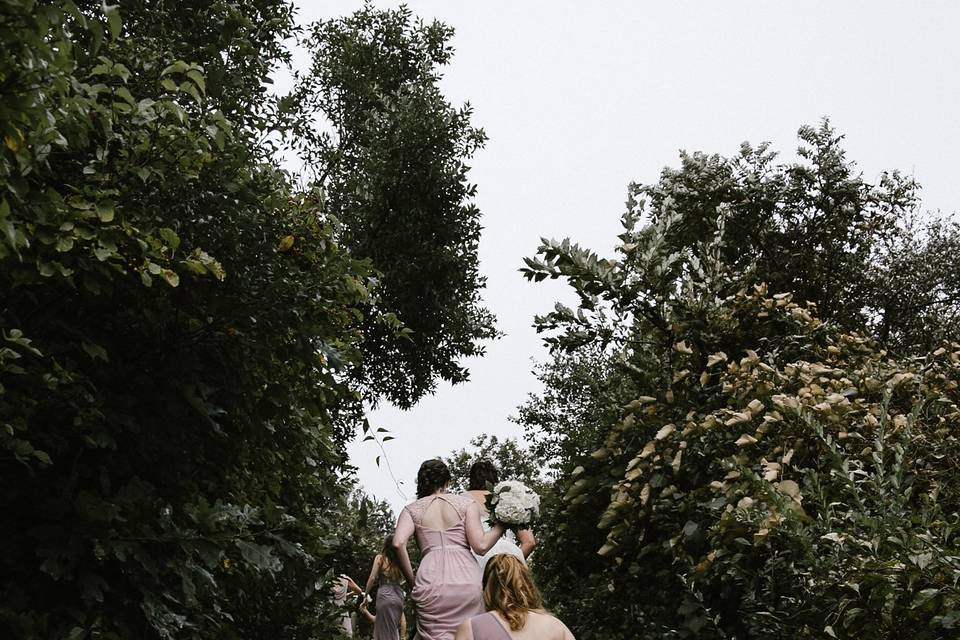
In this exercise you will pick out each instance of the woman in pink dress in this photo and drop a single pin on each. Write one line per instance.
(446, 588)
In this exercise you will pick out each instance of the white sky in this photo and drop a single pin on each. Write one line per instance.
(581, 98)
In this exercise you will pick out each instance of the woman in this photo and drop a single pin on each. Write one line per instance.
(388, 623)
(343, 586)
(446, 588)
(483, 476)
(372, 619)
(514, 607)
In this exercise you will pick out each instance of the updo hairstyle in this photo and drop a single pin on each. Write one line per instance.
(433, 475)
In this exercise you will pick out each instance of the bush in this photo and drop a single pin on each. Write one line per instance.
(746, 466)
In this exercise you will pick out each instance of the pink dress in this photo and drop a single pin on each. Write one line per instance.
(447, 588)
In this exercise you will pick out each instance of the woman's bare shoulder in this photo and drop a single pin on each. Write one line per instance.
(477, 495)
(550, 626)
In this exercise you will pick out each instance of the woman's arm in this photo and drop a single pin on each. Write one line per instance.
(401, 535)
(527, 541)
(479, 541)
(403, 626)
(369, 616)
(351, 585)
(464, 632)
(374, 574)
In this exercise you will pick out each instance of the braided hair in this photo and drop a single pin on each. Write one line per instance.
(433, 475)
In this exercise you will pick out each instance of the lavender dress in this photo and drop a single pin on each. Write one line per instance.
(386, 625)
(487, 627)
(447, 586)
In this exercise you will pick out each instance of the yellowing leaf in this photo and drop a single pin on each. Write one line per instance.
(745, 440)
(786, 402)
(791, 489)
(676, 461)
(681, 347)
(738, 418)
(600, 454)
(665, 431)
(286, 244)
(716, 358)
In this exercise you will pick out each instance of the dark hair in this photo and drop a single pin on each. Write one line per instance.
(483, 473)
(433, 474)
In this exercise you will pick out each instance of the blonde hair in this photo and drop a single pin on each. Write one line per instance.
(508, 589)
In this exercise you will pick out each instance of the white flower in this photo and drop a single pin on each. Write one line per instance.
(514, 503)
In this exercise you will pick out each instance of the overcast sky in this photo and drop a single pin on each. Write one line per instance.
(580, 98)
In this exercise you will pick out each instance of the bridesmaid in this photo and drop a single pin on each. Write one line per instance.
(386, 576)
(446, 588)
(514, 607)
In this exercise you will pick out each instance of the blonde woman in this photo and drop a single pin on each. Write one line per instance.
(514, 606)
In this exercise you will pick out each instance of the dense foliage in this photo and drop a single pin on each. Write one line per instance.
(750, 429)
(185, 332)
(390, 153)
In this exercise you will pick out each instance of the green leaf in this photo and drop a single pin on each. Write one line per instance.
(64, 243)
(198, 80)
(925, 596)
(124, 93)
(105, 211)
(191, 89)
(170, 237)
(95, 351)
(177, 67)
(113, 19)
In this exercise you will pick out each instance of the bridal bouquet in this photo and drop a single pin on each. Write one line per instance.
(513, 504)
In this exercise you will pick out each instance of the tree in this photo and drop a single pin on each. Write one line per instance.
(391, 155)
(180, 328)
(511, 459)
(752, 456)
